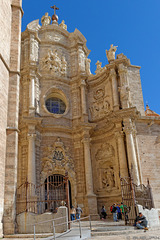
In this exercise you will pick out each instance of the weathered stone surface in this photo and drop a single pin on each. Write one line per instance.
(98, 135)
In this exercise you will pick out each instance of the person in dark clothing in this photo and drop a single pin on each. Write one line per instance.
(141, 222)
(119, 214)
(103, 212)
(114, 211)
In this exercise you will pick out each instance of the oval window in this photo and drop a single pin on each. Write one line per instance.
(55, 105)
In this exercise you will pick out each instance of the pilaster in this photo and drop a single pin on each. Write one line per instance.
(31, 159)
(115, 93)
(91, 197)
(83, 100)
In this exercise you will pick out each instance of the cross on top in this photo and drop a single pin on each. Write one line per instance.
(55, 8)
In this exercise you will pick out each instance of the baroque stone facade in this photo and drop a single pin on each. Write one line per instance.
(92, 126)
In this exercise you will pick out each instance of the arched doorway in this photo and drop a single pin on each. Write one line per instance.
(57, 192)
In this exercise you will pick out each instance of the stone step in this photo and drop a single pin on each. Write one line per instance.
(114, 233)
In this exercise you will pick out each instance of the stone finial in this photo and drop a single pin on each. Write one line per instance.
(111, 53)
(63, 25)
(46, 20)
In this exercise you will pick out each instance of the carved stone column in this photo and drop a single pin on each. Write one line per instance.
(83, 99)
(122, 154)
(114, 89)
(31, 159)
(92, 200)
(132, 159)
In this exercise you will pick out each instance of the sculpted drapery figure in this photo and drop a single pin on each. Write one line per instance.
(111, 53)
(46, 20)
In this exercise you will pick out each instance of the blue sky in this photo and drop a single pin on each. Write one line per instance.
(132, 25)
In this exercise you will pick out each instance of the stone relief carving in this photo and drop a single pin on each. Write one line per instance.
(54, 62)
(106, 151)
(108, 178)
(46, 20)
(58, 157)
(111, 53)
(105, 165)
(100, 106)
(98, 94)
(63, 25)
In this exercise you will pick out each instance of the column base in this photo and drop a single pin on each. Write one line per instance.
(92, 207)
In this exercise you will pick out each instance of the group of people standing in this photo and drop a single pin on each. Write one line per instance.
(75, 213)
(118, 210)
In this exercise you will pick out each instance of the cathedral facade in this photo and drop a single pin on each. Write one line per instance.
(61, 120)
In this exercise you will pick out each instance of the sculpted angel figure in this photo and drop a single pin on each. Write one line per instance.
(111, 53)
(46, 20)
(63, 25)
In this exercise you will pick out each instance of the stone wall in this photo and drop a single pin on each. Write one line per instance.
(12, 119)
(43, 222)
(5, 38)
(148, 144)
(135, 88)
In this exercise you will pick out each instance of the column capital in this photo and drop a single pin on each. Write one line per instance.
(112, 72)
(77, 144)
(82, 83)
(119, 134)
(122, 68)
(31, 135)
(86, 140)
(128, 129)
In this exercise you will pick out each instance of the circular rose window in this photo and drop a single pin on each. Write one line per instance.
(55, 105)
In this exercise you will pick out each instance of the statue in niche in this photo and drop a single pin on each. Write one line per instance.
(108, 179)
(63, 25)
(111, 53)
(46, 20)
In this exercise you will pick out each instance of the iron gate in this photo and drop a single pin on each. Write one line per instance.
(133, 195)
(47, 197)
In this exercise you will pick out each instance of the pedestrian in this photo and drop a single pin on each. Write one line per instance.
(119, 214)
(114, 212)
(78, 212)
(141, 222)
(124, 211)
(73, 213)
(103, 212)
